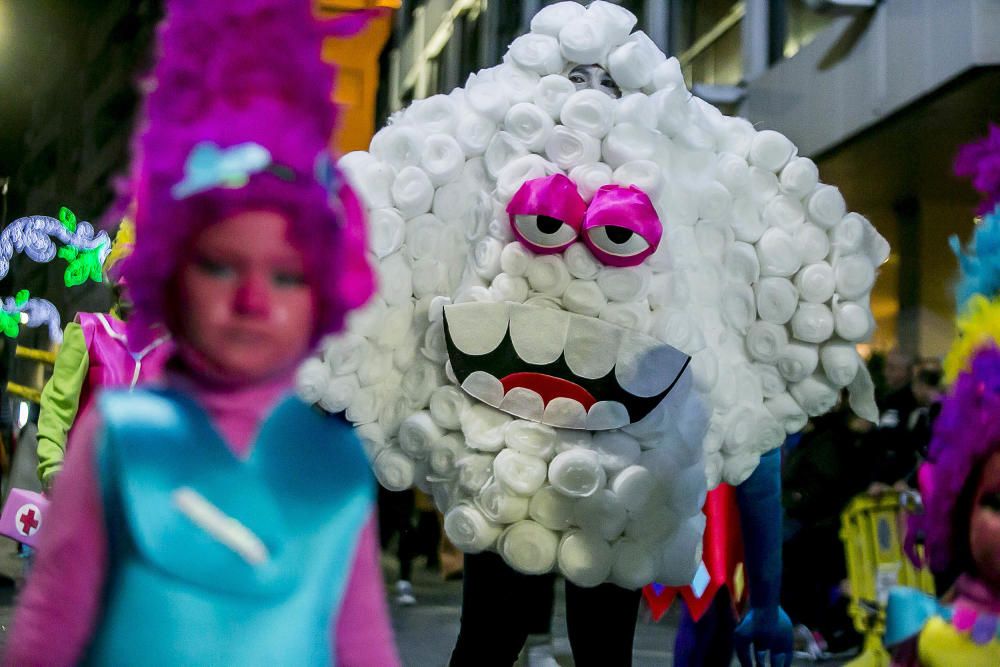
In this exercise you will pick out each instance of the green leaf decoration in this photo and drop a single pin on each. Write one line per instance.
(96, 266)
(10, 324)
(68, 218)
(22, 297)
(84, 265)
(67, 252)
(74, 275)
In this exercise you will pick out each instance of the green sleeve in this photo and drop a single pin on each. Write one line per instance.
(60, 402)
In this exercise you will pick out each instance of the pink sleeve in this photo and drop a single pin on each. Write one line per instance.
(58, 609)
(363, 633)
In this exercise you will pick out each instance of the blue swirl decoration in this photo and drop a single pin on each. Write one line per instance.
(36, 236)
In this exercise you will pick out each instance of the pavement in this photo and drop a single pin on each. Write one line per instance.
(426, 632)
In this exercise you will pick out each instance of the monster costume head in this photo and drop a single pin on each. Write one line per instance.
(599, 297)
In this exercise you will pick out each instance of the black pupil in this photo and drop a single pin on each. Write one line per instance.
(618, 235)
(548, 225)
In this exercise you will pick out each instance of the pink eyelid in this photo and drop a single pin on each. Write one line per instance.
(555, 196)
(628, 208)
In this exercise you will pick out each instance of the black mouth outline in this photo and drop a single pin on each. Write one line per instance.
(603, 389)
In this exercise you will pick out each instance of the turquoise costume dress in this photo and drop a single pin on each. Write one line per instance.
(217, 560)
(940, 635)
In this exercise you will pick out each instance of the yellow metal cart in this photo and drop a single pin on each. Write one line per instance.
(872, 530)
(13, 461)
(43, 357)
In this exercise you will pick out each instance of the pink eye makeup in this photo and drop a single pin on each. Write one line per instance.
(621, 227)
(546, 214)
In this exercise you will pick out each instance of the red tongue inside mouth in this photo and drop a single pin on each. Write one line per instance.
(549, 387)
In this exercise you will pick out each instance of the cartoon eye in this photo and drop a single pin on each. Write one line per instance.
(618, 241)
(544, 231)
(546, 214)
(621, 227)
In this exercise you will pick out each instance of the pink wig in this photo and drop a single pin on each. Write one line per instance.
(966, 434)
(980, 161)
(231, 73)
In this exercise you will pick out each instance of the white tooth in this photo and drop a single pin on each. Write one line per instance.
(483, 386)
(565, 413)
(538, 334)
(476, 328)
(592, 346)
(606, 415)
(524, 403)
(646, 366)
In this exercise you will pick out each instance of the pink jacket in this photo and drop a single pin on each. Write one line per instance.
(111, 364)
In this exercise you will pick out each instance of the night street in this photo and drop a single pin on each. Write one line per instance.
(603, 297)
(426, 632)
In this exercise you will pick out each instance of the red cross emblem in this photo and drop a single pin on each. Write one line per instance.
(28, 519)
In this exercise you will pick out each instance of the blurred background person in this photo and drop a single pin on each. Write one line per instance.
(900, 442)
(820, 476)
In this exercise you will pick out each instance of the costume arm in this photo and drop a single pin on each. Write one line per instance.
(766, 627)
(759, 498)
(363, 632)
(61, 401)
(59, 606)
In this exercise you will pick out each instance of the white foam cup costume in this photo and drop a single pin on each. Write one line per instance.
(569, 410)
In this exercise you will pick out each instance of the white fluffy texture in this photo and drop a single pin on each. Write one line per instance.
(538, 53)
(762, 276)
(632, 64)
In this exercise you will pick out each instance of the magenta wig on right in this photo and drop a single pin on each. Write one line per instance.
(966, 434)
(980, 162)
(228, 74)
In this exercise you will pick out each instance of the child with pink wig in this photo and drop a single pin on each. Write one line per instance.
(961, 488)
(218, 519)
(960, 482)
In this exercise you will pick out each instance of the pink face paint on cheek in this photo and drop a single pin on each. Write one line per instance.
(621, 227)
(546, 214)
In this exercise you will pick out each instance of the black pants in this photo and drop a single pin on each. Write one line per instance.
(395, 516)
(500, 607)
(709, 641)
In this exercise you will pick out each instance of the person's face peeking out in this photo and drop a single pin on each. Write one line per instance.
(247, 308)
(984, 524)
(594, 77)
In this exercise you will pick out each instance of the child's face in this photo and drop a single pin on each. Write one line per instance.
(247, 308)
(984, 524)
